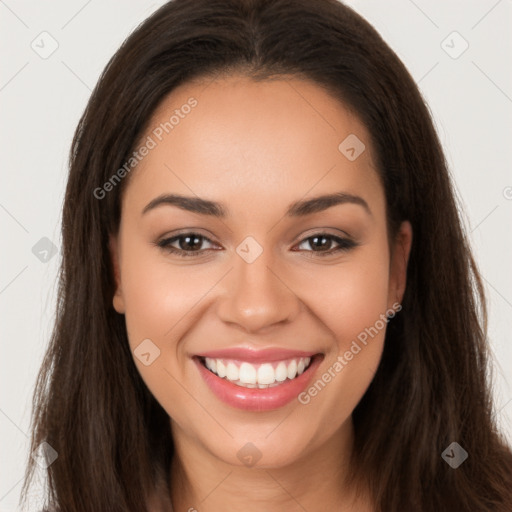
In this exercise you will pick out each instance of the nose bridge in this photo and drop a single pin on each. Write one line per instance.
(257, 296)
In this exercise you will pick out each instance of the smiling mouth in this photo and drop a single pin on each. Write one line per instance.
(262, 375)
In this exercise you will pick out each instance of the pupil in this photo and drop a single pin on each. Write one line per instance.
(324, 244)
(187, 245)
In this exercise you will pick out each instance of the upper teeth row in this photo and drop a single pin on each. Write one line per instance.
(265, 373)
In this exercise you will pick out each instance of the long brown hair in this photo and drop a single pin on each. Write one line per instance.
(433, 385)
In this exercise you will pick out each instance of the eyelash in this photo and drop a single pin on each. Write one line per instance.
(345, 244)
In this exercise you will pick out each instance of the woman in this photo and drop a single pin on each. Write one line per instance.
(267, 300)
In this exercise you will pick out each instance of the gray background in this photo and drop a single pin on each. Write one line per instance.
(42, 97)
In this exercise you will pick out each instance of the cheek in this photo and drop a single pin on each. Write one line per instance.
(159, 304)
(157, 293)
(164, 297)
(352, 306)
(355, 313)
(351, 296)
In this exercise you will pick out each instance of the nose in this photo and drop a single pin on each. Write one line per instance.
(257, 296)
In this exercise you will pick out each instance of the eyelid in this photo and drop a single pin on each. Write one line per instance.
(339, 233)
(165, 241)
(344, 243)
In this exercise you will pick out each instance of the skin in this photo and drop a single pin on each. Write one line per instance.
(257, 147)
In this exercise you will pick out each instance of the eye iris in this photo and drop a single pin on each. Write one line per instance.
(323, 245)
(188, 245)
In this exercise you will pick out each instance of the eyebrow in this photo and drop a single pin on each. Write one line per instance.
(297, 209)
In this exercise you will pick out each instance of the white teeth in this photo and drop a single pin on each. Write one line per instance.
(281, 372)
(292, 369)
(266, 374)
(211, 364)
(232, 371)
(221, 369)
(257, 376)
(247, 373)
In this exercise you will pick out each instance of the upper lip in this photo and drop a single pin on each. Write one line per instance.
(256, 356)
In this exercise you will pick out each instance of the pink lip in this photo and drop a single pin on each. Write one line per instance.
(255, 356)
(255, 399)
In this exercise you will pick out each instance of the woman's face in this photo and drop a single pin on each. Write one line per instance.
(269, 282)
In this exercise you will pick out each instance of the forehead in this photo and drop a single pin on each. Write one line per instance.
(237, 138)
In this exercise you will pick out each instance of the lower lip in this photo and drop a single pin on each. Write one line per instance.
(255, 399)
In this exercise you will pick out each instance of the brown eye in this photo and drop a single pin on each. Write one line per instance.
(321, 244)
(189, 244)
